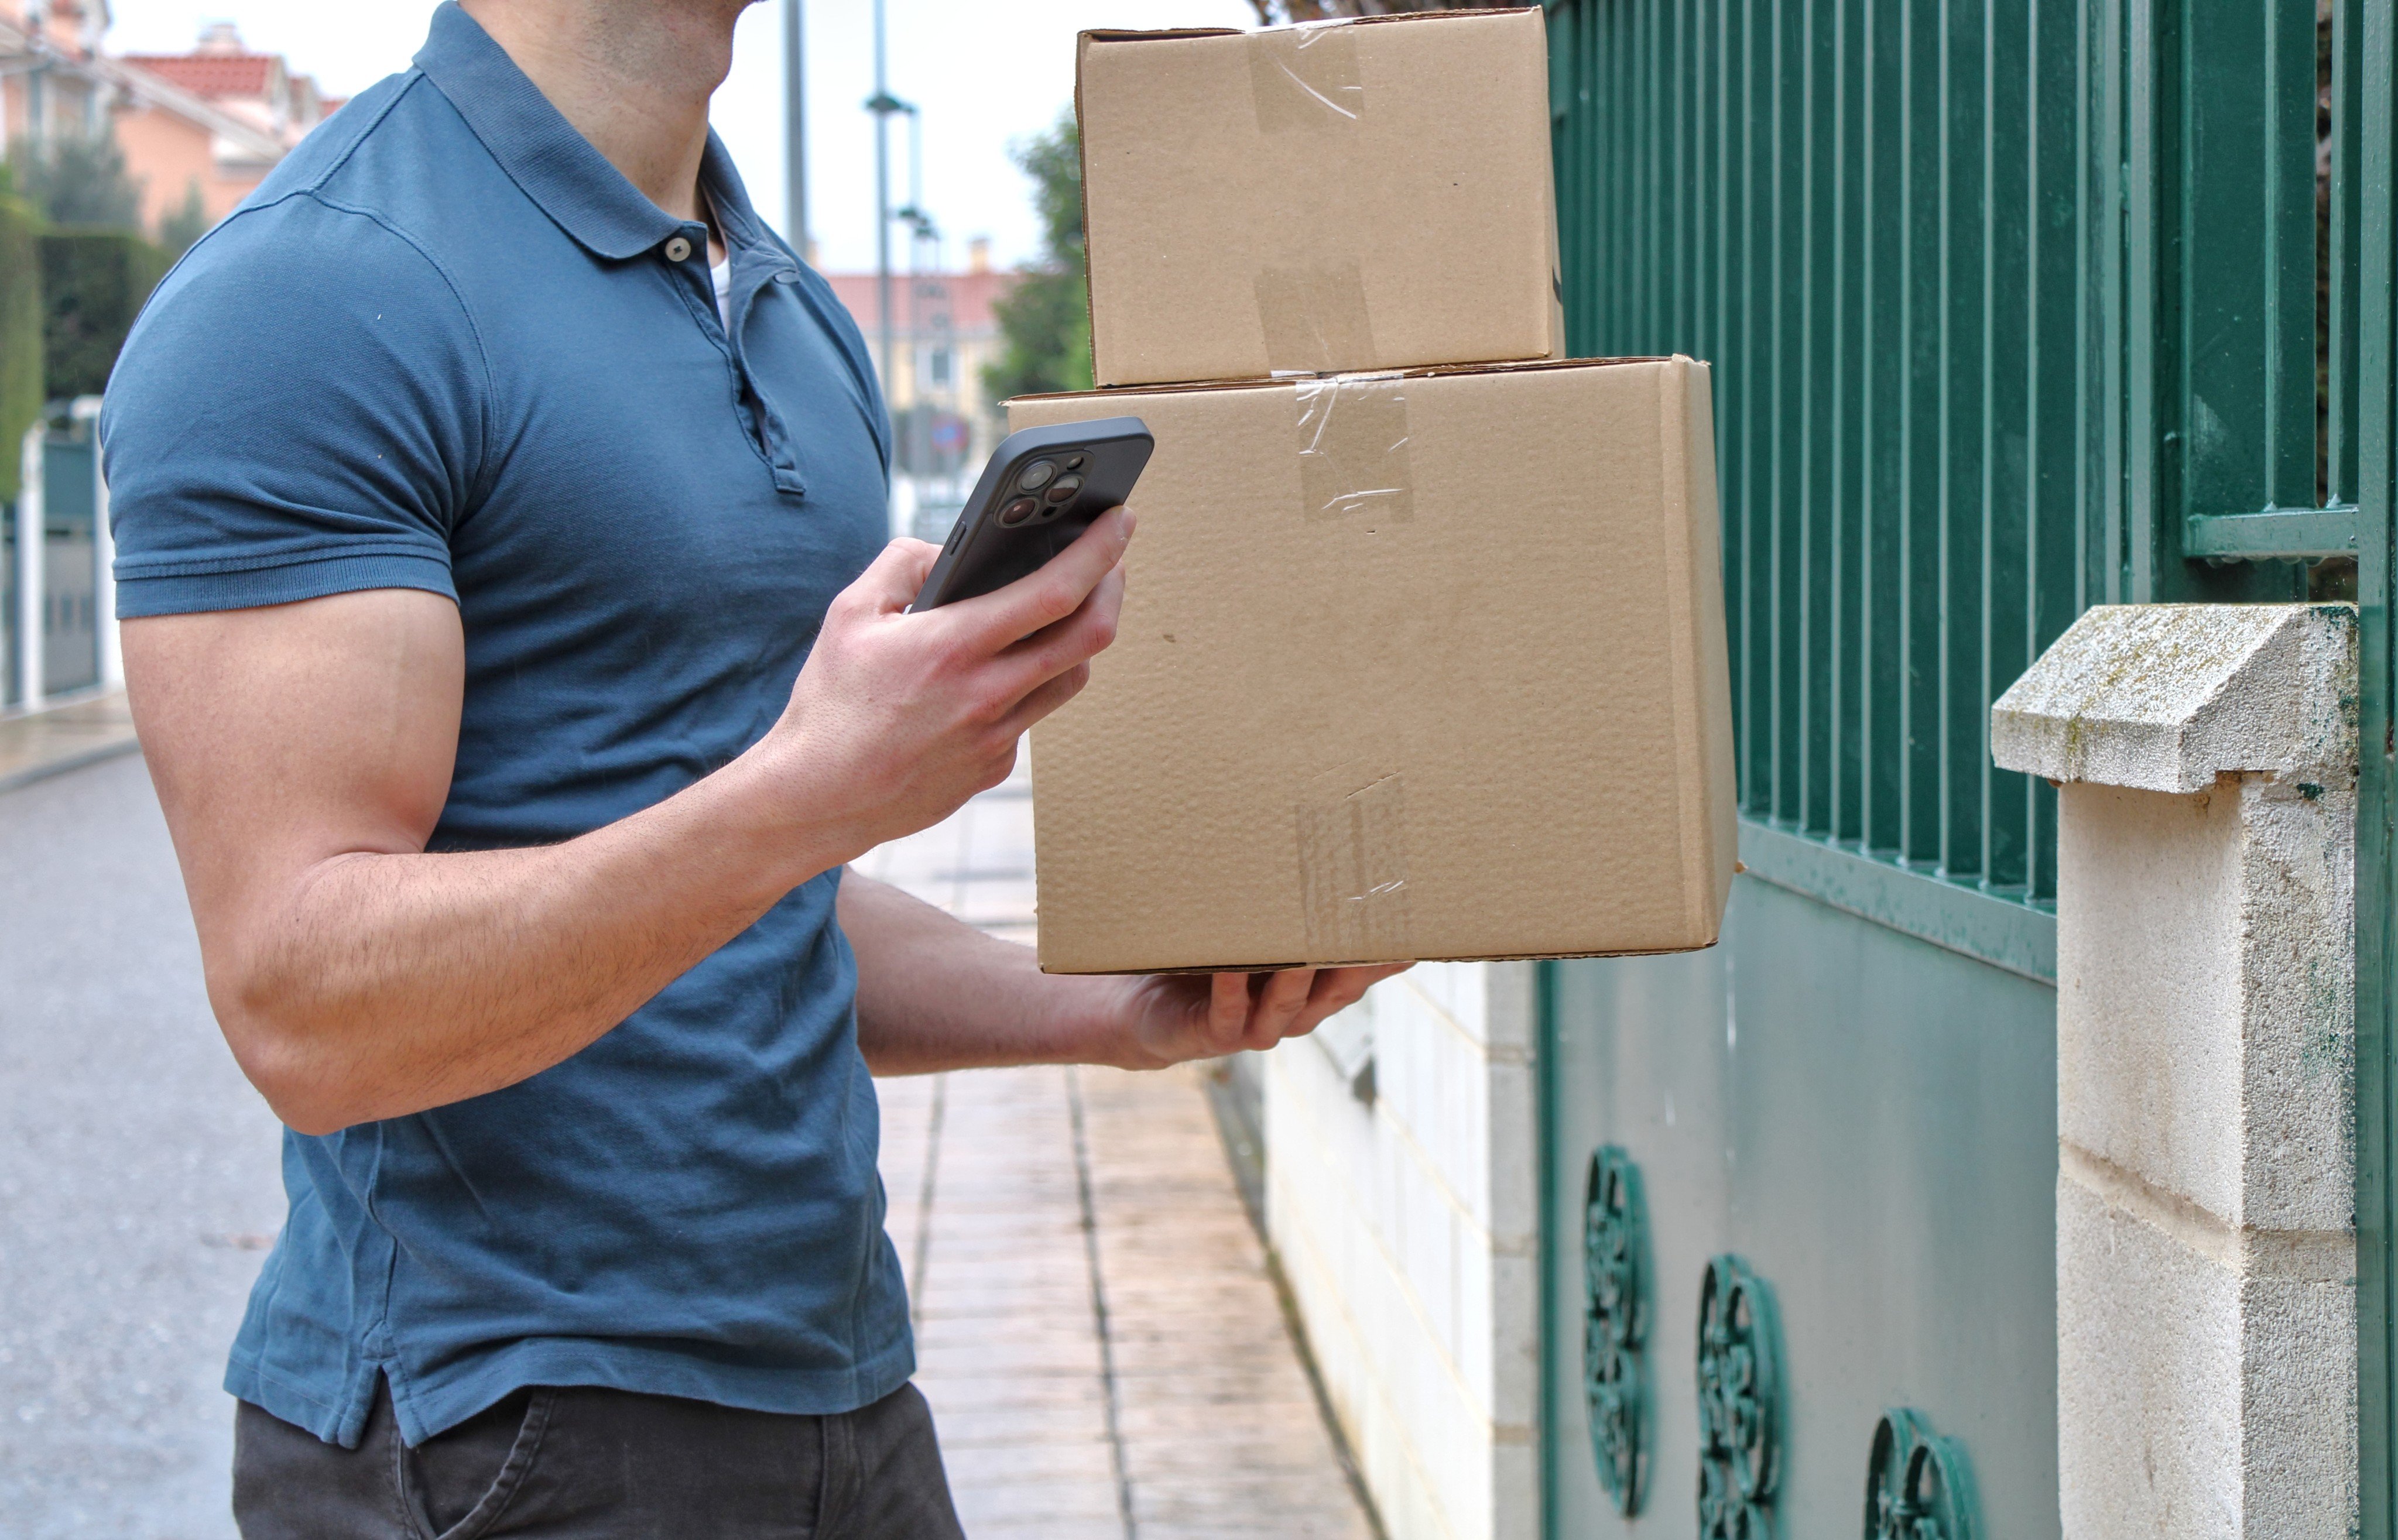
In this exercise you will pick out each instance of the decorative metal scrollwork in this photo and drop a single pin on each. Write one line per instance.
(1918, 1486)
(1740, 1402)
(1615, 1324)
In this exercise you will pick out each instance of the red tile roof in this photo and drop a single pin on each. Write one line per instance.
(965, 297)
(211, 75)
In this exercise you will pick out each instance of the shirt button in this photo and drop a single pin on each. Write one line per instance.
(677, 250)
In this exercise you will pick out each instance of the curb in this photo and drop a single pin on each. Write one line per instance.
(79, 759)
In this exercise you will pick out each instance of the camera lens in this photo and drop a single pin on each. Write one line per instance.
(1036, 476)
(1018, 512)
(1066, 487)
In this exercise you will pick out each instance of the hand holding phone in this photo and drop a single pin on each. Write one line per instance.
(1040, 490)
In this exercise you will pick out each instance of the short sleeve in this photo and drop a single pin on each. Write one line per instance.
(299, 412)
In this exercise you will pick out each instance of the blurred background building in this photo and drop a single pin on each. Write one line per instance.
(945, 334)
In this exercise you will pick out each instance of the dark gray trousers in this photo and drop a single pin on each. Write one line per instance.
(574, 1464)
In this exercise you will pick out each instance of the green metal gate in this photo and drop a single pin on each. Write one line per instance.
(2016, 307)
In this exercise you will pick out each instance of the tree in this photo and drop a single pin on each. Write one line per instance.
(77, 182)
(21, 330)
(179, 231)
(1275, 13)
(1044, 321)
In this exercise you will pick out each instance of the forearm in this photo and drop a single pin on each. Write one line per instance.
(934, 994)
(382, 984)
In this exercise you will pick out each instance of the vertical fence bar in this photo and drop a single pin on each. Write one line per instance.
(2009, 513)
(1846, 818)
(1887, 359)
(2377, 860)
(32, 565)
(1819, 419)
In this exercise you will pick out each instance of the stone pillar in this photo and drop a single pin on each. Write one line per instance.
(2205, 1194)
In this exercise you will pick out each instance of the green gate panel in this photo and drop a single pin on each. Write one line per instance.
(1888, 1167)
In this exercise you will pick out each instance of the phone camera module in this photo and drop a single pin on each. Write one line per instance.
(1036, 476)
(1018, 512)
(1065, 489)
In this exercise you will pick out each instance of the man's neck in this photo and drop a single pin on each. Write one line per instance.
(633, 76)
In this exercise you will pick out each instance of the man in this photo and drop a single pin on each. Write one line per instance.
(510, 648)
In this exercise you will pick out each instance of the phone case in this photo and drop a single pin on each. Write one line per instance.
(1042, 489)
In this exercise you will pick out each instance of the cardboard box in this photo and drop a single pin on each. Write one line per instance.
(1411, 665)
(1362, 194)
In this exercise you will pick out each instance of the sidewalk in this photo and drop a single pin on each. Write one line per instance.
(58, 738)
(1096, 1330)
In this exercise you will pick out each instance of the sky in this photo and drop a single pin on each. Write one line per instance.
(984, 74)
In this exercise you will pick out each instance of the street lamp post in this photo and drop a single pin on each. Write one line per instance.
(795, 128)
(883, 104)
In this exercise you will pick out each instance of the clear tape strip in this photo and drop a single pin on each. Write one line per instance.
(1352, 866)
(1353, 448)
(1305, 78)
(1305, 88)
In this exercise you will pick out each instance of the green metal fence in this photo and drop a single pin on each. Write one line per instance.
(2016, 307)
(1998, 294)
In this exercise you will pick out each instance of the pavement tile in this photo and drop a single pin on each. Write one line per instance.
(1214, 1419)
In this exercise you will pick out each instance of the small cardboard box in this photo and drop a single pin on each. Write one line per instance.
(1411, 665)
(1362, 194)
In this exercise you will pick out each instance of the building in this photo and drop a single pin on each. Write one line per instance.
(944, 425)
(211, 122)
(51, 76)
(172, 153)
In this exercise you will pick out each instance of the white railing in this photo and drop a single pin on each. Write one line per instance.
(33, 565)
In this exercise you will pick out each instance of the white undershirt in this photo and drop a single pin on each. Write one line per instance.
(722, 275)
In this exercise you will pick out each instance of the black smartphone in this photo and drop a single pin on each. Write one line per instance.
(1043, 488)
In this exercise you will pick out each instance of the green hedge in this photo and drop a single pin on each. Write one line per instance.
(20, 335)
(93, 285)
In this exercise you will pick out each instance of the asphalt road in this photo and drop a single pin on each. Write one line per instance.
(139, 1181)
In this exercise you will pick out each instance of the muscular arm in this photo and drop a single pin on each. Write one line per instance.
(302, 755)
(934, 994)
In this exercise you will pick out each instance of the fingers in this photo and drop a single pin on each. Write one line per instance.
(891, 583)
(1278, 1005)
(1291, 1002)
(1227, 1013)
(1060, 655)
(1028, 711)
(1338, 989)
(1053, 593)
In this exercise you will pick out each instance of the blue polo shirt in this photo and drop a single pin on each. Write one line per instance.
(445, 347)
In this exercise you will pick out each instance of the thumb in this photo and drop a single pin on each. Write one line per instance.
(891, 583)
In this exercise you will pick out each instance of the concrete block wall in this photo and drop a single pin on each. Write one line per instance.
(2206, 1252)
(1407, 1227)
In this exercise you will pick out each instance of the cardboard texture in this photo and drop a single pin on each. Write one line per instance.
(1423, 666)
(1362, 194)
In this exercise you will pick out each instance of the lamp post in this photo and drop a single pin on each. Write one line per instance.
(795, 128)
(883, 104)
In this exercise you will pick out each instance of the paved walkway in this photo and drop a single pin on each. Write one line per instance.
(1095, 1327)
(34, 744)
(1100, 1340)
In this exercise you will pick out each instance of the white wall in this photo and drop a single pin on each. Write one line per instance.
(1409, 1230)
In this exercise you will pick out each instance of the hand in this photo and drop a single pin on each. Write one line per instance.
(897, 719)
(1168, 1018)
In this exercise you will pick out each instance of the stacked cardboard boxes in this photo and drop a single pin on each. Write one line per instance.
(1422, 650)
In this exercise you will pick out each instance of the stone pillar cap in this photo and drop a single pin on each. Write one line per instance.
(2166, 697)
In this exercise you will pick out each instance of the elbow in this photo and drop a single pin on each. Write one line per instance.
(282, 1051)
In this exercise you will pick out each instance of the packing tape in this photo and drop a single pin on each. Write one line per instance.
(1313, 317)
(1310, 303)
(1306, 78)
(1353, 448)
(1353, 867)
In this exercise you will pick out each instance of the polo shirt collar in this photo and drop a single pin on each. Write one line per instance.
(541, 152)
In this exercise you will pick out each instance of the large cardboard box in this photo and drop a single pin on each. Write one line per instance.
(1411, 665)
(1351, 195)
